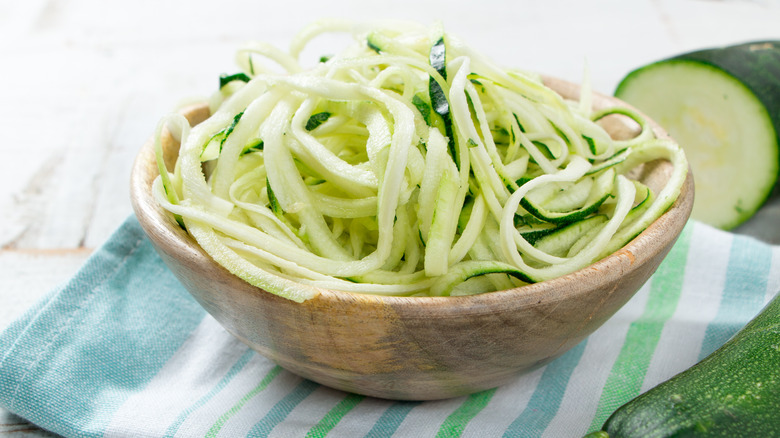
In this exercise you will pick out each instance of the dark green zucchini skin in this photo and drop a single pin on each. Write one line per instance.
(734, 392)
(756, 64)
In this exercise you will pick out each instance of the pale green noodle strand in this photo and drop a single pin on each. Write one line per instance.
(404, 164)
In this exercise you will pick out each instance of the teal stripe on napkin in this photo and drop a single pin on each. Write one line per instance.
(743, 294)
(546, 400)
(15, 330)
(123, 350)
(97, 340)
(391, 419)
(240, 363)
(213, 431)
(282, 409)
(628, 372)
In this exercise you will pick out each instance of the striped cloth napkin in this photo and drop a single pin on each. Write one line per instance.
(123, 351)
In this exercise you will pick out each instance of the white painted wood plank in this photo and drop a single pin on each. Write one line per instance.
(12, 426)
(86, 71)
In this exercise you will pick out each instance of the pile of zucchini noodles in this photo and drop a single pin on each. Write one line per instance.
(406, 164)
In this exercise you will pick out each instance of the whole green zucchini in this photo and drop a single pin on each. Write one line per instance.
(733, 392)
(722, 105)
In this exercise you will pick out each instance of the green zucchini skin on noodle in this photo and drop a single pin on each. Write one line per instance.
(734, 392)
(405, 165)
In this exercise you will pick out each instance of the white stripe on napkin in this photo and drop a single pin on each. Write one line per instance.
(312, 408)
(509, 401)
(187, 376)
(361, 420)
(215, 386)
(703, 283)
(426, 420)
(591, 374)
(258, 404)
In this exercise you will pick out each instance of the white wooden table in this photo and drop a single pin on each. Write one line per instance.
(83, 83)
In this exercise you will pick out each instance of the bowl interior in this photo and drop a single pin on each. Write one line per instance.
(410, 347)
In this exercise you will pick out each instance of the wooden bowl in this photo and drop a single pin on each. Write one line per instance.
(413, 348)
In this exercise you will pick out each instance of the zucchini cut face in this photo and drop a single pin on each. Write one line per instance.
(724, 128)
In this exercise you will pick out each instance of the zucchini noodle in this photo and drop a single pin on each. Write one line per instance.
(406, 164)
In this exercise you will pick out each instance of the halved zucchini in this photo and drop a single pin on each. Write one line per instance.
(722, 106)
